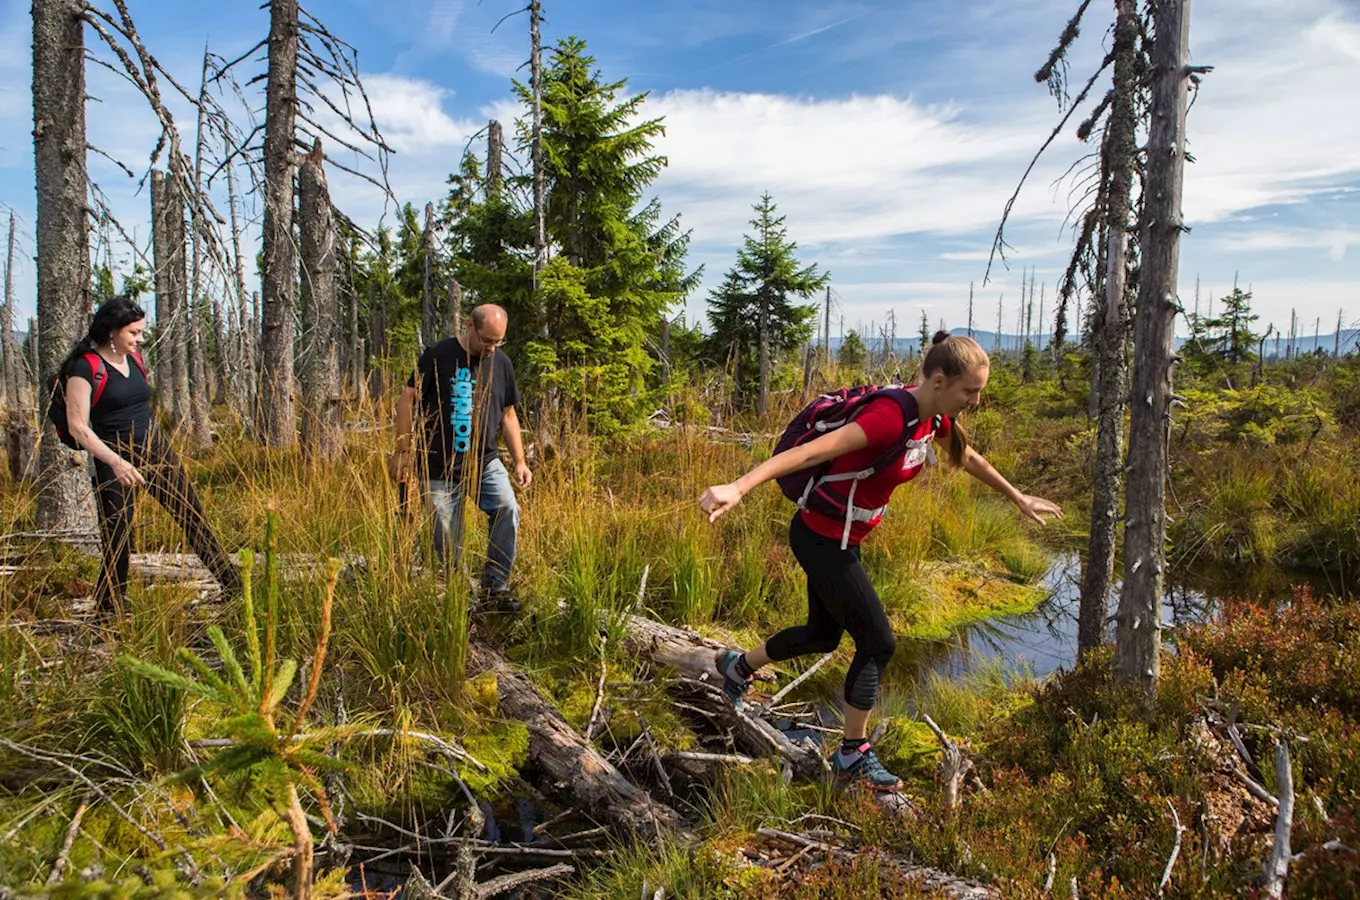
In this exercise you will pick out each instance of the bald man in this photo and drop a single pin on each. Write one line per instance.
(468, 395)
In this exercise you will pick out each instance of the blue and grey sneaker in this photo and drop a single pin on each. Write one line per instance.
(733, 690)
(865, 769)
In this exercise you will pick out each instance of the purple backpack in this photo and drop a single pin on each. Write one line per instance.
(809, 487)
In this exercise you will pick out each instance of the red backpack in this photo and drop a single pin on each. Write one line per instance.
(809, 487)
(56, 391)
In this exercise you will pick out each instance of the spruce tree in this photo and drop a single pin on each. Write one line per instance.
(754, 313)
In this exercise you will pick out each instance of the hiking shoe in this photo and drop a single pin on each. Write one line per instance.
(503, 601)
(866, 770)
(733, 690)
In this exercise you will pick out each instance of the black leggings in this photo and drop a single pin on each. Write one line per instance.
(167, 481)
(840, 599)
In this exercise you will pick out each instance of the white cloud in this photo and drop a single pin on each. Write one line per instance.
(1334, 241)
(842, 170)
(1272, 123)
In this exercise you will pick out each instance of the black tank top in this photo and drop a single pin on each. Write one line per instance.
(124, 407)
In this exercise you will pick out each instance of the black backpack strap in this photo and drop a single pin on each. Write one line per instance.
(911, 416)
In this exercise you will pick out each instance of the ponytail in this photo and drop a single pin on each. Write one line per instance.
(953, 355)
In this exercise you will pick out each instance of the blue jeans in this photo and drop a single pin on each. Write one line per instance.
(495, 498)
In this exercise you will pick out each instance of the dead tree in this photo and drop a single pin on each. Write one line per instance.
(377, 334)
(243, 386)
(1138, 635)
(321, 435)
(167, 242)
(199, 397)
(1119, 159)
(763, 402)
(65, 499)
(495, 148)
(18, 386)
(429, 331)
(279, 278)
(455, 305)
(536, 151)
(160, 255)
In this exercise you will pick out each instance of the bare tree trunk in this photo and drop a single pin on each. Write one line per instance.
(65, 502)
(377, 336)
(160, 257)
(7, 329)
(321, 435)
(826, 325)
(182, 323)
(243, 385)
(279, 280)
(1138, 639)
(970, 307)
(546, 398)
(355, 372)
(455, 306)
(14, 373)
(763, 403)
(536, 148)
(495, 146)
(199, 397)
(221, 361)
(428, 330)
(1120, 153)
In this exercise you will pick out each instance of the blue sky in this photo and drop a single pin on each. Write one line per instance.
(890, 133)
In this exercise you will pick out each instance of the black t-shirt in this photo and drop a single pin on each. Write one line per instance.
(124, 407)
(463, 400)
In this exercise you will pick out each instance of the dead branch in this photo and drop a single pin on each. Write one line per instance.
(998, 242)
(697, 756)
(599, 691)
(59, 865)
(91, 148)
(1278, 866)
(1255, 789)
(656, 758)
(503, 883)
(225, 67)
(799, 680)
(953, 764)
(1069, 34)
(100, 793)
(1175, 850)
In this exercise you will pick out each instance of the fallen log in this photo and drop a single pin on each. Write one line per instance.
(691, 656)
(574, 768)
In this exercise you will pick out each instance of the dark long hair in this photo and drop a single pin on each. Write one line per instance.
(112, 314)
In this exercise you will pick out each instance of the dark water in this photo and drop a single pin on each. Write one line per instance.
(1045, 640)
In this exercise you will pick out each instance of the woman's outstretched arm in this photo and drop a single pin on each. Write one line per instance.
(1035, 508)
(722, 497)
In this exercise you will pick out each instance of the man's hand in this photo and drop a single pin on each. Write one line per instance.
(399, 465)
(523, 477)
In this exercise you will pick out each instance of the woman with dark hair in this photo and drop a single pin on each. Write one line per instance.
(109, 414)
(840, 595)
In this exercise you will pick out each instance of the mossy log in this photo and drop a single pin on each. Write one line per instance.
(573, 767)
(691, 656)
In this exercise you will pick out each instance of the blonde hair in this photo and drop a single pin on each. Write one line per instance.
(952, 356)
